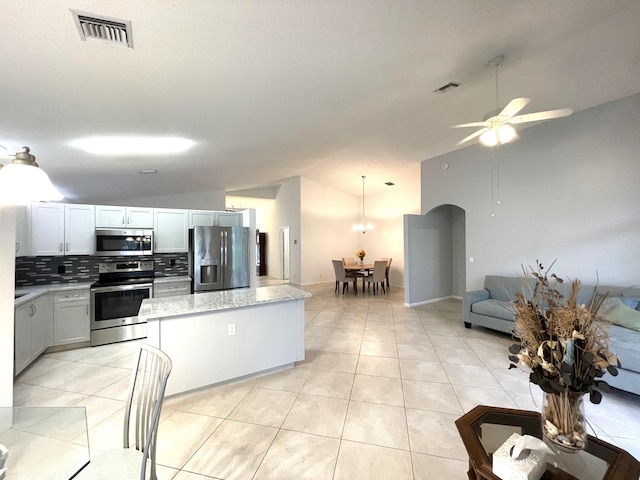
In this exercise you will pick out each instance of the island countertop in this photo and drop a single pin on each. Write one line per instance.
(219, 300)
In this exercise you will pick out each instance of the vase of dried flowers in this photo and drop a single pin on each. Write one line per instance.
(564, 421)
(564, 346)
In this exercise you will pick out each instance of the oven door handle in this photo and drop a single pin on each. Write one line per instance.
(121, 288)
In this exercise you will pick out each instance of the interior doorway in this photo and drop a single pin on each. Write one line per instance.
(284, 252)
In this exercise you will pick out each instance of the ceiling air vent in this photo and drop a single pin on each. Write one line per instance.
(104, 30)
(447, 88)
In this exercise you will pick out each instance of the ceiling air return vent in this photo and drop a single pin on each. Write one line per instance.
(104, 30)
(448, 87)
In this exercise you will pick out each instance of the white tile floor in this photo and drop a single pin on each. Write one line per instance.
(376, 398)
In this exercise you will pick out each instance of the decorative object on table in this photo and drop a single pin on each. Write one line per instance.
(361, 254)
(521, 458)
(566, 348)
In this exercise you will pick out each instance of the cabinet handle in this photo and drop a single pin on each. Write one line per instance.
(61, 246)
(128, 220)
(67, 246)
(32, 309)
(123, 220)
(87, 308)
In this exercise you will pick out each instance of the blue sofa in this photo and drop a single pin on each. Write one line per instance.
(491, 307)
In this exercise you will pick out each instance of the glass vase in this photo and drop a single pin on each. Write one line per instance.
(564, 421)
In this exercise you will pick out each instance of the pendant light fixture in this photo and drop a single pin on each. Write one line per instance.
(363, 227)
(23, 181)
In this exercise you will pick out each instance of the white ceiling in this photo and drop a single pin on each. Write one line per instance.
(327, 89)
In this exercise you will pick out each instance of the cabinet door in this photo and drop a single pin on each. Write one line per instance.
(71, 323)
(79, 229)
(23, 230)
(229, 219)
(204, 218)
(108, 216)
(170, 230)
(71, 317)
(41, 325)
(22, 335)
(137, 217)
(47, 229)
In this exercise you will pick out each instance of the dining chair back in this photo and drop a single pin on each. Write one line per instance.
(341, 275)
(378, 277)
(388, 260)
(349, 260)
(149, 377)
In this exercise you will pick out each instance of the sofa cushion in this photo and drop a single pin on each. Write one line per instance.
(505, 288)
(495, 308)
(616, 312)
(624, 343)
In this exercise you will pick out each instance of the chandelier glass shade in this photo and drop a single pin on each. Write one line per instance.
(363, 226)
(23, 181)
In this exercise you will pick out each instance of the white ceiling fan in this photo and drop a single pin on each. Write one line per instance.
(496, 127)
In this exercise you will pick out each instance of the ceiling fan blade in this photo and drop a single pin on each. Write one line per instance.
(472, 124)
(475, 134)
(514, 106)
(535, 117)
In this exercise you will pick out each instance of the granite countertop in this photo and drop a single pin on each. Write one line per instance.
(221, 300)
(168, 279)
(31, 293)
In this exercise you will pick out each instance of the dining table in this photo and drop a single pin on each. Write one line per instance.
(44, 442)
(364, 268)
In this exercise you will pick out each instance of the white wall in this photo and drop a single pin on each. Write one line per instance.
(209, 200)
(328, 216)
(286, 213)
(386, 210)
(7, 280)
(569, 189)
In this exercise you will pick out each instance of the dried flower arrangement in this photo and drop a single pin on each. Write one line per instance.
(361, 254)
(565, 347)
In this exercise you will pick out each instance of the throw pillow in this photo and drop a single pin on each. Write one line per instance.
(623, 316)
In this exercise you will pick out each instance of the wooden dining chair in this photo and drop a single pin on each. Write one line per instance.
(388, 260)
(378, 277)
(137, 459)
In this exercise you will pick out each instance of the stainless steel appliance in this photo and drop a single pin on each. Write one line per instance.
(116, 299)
(218, 258)
(119, 243)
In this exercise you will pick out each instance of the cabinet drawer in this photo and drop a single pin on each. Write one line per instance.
(171, 289)
(71, 296)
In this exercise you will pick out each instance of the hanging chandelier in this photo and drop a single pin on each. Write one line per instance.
(363, 227)
(23, 181)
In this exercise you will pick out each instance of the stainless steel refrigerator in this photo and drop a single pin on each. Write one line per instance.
(218, 258)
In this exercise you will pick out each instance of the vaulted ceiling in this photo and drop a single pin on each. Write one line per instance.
(330, 90)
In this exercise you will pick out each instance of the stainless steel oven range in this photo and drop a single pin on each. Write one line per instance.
(116, 299)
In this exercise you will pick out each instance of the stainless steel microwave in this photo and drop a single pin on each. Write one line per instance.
(117, 243)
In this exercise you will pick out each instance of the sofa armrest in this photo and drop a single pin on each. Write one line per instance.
(469, 299)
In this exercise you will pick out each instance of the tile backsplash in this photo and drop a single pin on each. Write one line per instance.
(84, 268)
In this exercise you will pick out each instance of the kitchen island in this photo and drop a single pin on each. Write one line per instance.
(219, 336)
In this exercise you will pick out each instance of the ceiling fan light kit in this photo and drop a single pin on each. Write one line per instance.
(497, 129)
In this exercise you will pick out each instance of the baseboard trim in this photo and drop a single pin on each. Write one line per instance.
(426, 302)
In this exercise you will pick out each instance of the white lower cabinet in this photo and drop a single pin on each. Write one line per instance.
(171, 289)
(71, 317)
(33, 325)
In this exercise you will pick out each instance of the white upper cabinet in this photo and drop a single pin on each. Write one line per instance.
(79, 230)
(202, 218)
(170, 230)
(47, 229)
(108, 216)
(23, 230)
(62, 229)
(229, 219)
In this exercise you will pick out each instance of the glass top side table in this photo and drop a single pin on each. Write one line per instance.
(44, 442)
(484, 429)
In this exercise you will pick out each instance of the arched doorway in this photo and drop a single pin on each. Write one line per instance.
(435, 252)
